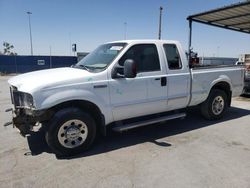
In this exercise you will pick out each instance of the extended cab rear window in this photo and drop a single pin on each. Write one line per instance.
(173, 56)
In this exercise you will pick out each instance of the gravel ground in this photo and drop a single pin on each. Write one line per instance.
(179, 153)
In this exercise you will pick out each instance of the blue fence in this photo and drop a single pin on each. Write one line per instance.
(22, 64)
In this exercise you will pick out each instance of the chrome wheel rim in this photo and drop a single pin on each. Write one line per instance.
(72, 133)
(218, 105)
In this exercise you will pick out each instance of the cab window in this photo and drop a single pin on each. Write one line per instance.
(173, 56)
(145, 56)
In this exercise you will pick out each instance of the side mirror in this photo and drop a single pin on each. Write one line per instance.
(117, 72)
(130, 69)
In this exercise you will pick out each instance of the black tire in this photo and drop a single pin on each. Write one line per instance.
(55, 125)
(207, 106)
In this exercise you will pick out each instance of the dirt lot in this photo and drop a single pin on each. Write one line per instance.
(180, 153)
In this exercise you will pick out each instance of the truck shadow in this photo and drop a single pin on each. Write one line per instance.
(152, 133)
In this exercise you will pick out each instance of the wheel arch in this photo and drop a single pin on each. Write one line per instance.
(86, 106)
(224, 86)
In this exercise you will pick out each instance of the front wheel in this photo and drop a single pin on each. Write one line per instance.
(215, 105)
(71, 131)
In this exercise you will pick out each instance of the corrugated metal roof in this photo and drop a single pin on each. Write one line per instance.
(234, 17)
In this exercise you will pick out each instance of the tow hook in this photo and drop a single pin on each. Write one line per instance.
(9, 109)
(10, 122)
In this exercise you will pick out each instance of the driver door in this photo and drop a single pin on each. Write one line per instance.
(129, 96)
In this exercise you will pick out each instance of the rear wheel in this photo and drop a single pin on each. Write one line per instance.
(71, 131)
(215, 105)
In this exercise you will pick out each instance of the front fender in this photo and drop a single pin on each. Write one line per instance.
(49, 99)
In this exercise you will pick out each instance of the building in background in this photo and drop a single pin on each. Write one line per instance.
(22, 64)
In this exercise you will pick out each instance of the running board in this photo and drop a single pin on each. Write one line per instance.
(123, 127)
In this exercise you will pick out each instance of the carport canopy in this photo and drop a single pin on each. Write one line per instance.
(234, 17)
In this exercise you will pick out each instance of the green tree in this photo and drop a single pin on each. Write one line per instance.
(8, 49)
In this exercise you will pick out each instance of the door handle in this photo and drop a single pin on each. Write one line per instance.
(157, 78)
(163, 81)
(100, 86)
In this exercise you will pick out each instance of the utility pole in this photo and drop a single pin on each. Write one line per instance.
(70, 45)
(74, 49)
(161, 8)
(125, 30)
(50, 58)
(31, 47)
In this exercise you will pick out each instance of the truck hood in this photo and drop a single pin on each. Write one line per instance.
(45, 78)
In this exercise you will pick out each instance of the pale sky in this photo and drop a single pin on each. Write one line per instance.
(88, 23)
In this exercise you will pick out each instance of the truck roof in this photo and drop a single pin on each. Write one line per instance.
(145, 41)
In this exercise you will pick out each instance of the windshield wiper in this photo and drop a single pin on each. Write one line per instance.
(83, 66)
(89, 68)
(98, 67)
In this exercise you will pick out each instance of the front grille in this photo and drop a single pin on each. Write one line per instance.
(14, 96)
(11, 96)
(17, 98)
(12, 89)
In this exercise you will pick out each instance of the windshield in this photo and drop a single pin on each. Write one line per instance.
(101, 57)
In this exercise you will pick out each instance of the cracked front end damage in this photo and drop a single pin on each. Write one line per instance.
(25, 120)
(24, 115)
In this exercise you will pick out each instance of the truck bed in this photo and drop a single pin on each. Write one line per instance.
(204, 77)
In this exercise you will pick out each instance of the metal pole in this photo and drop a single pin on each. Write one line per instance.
(159, 37)
(15, 64)
(50, 58)
(31, 47)
(125, 30)
(190, 41)
(189, 61)
(70, 45)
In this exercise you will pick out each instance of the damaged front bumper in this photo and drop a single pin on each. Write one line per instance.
(24, 114)
(26, 119)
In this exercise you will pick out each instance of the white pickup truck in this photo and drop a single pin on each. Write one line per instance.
(121, 85)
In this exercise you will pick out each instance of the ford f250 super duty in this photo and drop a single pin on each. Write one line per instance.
(120, 85)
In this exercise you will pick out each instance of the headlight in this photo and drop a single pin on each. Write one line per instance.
(21, 99)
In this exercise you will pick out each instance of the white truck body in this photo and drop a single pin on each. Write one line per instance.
(128, 97)
(118, 99)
